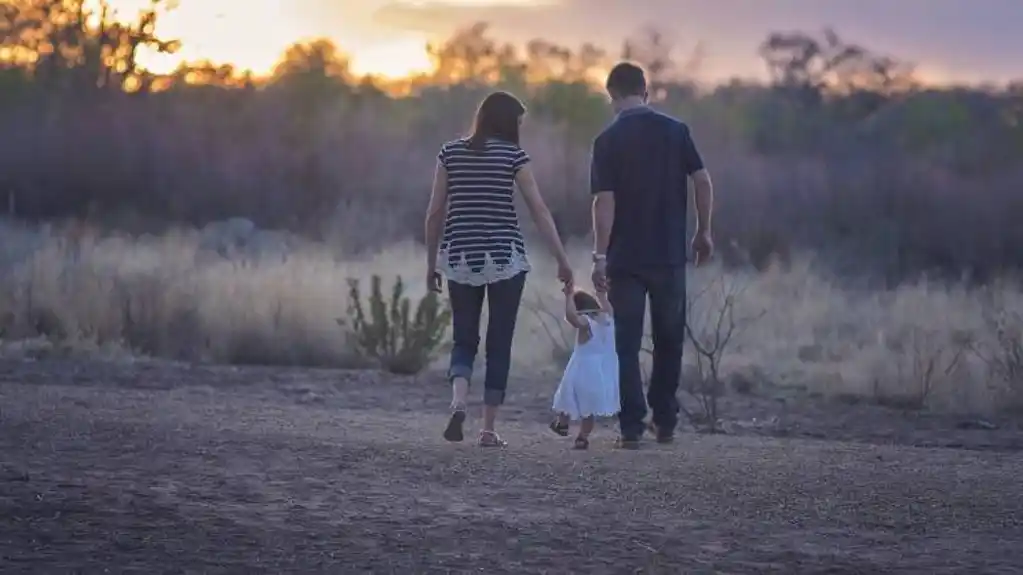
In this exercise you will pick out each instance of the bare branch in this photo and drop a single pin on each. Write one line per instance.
(551, 324)
(710, 345)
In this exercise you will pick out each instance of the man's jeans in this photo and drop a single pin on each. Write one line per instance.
(628, 293)
(503, 299)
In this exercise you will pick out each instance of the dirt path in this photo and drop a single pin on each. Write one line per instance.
(158, 469)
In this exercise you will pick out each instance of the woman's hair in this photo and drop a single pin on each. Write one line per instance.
(498, 118)
(584, 302)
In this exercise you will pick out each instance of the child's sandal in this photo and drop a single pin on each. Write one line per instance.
(559, 427)
(490, 439)
(581, 443)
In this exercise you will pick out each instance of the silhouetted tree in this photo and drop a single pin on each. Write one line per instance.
(78, 46)
(839, 152)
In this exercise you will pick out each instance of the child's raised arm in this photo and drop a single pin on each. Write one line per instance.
(571, 314)
(605, 304)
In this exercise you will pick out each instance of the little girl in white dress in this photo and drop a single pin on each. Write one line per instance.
(589, 387)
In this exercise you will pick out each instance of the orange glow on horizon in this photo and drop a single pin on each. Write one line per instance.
(393, 60)
(255, 34)
(252, 35)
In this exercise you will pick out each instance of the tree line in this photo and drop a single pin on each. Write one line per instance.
(842, 152)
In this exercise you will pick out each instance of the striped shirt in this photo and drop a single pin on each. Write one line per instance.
(482, 242)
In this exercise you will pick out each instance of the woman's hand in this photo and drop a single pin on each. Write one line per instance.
(433, 280)
(565, 275)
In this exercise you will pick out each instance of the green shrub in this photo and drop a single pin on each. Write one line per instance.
(389, 333)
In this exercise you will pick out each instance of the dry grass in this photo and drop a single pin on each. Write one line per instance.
(922, 345)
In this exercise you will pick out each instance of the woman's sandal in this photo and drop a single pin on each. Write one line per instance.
(490, 439)
(581, 443)
(453, 432)
(559, 427)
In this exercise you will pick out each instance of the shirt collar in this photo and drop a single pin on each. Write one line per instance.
(633, 111)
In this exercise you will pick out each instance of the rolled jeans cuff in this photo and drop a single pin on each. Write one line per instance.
(464, 371)
(493, 397)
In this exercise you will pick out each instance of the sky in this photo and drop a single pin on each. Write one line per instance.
(960, 40)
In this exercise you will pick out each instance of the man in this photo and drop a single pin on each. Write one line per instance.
(639, 180)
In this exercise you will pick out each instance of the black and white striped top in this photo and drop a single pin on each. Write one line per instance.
(482, 242)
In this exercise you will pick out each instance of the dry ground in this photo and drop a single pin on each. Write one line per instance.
(166, 468)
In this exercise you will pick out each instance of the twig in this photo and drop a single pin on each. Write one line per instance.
(710, 347)
(541, 312)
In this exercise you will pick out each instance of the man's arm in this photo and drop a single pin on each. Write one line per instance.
(703, 188)
(603, 219)
(605, 304)
(703, 196)
(602, 186)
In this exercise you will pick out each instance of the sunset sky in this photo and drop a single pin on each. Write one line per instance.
(948, 39)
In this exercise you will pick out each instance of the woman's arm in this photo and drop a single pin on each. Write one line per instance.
(436, 212)
(540, 213)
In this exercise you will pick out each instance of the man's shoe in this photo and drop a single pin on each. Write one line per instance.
(664, 435)
(629, 443)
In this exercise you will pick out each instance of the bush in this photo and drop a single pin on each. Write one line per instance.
(389, 333)
(711, 324)
(1003, 352)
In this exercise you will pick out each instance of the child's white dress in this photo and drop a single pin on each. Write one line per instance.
(590, 384)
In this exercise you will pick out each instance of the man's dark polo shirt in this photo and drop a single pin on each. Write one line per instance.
(645, 158)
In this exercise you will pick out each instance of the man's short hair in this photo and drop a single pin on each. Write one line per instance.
(626, 79)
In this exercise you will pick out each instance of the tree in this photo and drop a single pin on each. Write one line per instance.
(316, 59)
(812, 65)
(204, 73)
(79, 45)
(655, 52)
(470, 56)
(312, 76)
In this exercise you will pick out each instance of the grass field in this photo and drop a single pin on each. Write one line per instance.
(937, 346)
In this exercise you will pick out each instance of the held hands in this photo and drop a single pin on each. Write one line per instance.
(599, 275)
(565, 275)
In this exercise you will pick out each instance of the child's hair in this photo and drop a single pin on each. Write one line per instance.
(585, 302)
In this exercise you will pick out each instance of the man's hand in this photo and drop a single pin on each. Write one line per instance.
(703, 247)
(599, 275)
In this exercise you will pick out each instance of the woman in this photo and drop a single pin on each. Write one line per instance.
(481, 252)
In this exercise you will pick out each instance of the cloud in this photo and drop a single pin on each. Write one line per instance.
(444, 17)
(963, 39)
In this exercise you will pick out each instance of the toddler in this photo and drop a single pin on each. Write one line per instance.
(589, 387)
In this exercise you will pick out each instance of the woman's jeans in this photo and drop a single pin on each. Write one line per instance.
(503, 299)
